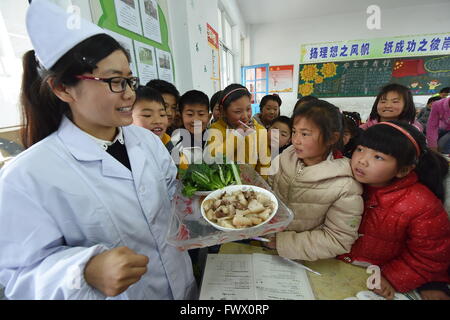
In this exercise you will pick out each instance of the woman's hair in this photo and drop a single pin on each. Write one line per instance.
(265, 99)
(431, 167)
(231, 93)
(214, 100)
(327, 117)
(409, 110)
(42, 110)
(164, 87)
(148, 94)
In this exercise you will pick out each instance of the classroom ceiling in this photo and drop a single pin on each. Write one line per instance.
(270, 11)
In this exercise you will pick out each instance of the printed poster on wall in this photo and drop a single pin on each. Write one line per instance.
(281, 78)
(213, 42)
(150, 19)
(164, 60)
(127, 43)
(128, 17)
(146, 59)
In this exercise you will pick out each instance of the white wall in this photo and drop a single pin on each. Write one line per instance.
(279, 44)
(190, 49)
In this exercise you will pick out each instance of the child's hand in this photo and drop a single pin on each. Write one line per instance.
(386, 289)
(434, 295)
(273, 242)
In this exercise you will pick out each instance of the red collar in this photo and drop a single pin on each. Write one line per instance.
(376, 195)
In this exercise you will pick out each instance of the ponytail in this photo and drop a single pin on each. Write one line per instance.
(432, 169)
(41, 110)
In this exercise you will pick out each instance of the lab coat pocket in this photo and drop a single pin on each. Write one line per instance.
(91, 229)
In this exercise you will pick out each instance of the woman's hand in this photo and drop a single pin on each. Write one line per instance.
(113, 271)
(386, 289)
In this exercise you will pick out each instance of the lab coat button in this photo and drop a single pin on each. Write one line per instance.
(142, 189)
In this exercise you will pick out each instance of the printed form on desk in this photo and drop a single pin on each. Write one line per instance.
(253, 277)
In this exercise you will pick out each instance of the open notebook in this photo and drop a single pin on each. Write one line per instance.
(253, 277)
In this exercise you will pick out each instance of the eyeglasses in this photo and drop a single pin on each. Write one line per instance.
(116, 84)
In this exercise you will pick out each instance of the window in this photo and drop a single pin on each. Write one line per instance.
(14, 42)
(256, 80)
(226, 49)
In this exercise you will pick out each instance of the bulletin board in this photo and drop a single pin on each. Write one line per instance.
(140, 26)
(423, 75)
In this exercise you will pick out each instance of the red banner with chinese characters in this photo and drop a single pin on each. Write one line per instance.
(213, 36)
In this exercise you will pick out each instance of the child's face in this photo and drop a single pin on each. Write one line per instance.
(238, 110)
(270, 111)
(372, 167)
(171, 107)
(284, 134)
(308, 142)
(216, 112)
(195, 112)
(347, 136)
(391, 106)
(150, 115)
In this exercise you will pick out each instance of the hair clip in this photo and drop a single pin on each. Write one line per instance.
(84, 60)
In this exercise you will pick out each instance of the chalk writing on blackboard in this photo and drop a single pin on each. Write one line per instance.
(423, 75)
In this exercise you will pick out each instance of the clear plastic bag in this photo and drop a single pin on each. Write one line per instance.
(188, 229)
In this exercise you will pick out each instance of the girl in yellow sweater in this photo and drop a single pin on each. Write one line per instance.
(236, 134)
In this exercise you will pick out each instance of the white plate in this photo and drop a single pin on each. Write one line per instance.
(230, 189)
(202, 193)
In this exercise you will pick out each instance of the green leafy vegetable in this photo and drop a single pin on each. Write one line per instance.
(208, 177)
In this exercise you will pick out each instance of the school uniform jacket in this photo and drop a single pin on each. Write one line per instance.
(406, 232)
(65, 199)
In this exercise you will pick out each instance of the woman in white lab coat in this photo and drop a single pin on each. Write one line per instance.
(80, 219)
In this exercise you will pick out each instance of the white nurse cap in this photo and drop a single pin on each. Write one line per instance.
(53, 32)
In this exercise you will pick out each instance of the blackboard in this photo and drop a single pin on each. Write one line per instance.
(423, 75)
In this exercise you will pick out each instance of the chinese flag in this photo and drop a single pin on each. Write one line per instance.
(405, 68)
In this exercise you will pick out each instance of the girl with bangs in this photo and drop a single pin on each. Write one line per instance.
(405, 229)
(316, 183)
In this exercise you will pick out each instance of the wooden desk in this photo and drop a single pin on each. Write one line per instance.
(339, 280)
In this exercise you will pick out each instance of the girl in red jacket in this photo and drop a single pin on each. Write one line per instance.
(404, 230)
